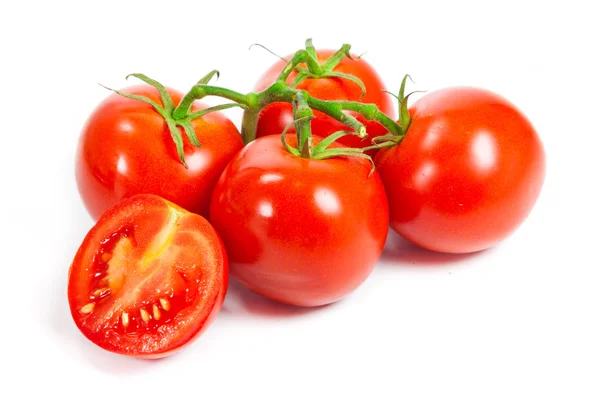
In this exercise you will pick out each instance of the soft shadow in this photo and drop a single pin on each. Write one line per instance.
(400, 252)
(242, 301)
(116, 364)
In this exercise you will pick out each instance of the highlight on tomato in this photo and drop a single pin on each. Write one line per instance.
(466, 174)
(131, 144)
(148, 278)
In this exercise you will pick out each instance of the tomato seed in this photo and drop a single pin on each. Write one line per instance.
(155, 312)
(102, 292)
(88, 308)
(145, 315)
(165, 304)
(125, 319)
(106, 256)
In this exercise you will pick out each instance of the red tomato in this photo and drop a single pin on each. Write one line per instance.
(467, 173)
(148, 278)
(126, 149)
(276, 116)
(299, 231)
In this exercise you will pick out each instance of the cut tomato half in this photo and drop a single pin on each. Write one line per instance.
(148, 278)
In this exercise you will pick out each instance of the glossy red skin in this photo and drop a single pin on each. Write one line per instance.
(466, 175)
(194, 250)
(276, 116)
(125, 148)
(298, 231)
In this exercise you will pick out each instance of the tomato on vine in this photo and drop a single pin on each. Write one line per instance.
(467, 172)
(304, 220)
(131, 145)
(304, 65)
(342, 77)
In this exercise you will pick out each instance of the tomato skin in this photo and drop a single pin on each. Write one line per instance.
(298, 231)
(125, 148)
(276, 116)
(467, 173)
(192, 248)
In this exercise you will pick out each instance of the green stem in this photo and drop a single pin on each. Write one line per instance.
(250, 118)
(280, 92)
(372, 113)
(303, 114)
(336, 58)
(334, 110)
(200, 91)
(299, 78)
(249, 124)
(303, 104)
(300, 57)
(255, 102)
(201, 113)
(389, 143)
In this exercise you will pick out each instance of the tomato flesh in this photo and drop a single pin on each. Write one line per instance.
(148, 278)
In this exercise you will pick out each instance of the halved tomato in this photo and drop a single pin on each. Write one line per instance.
(148, 278)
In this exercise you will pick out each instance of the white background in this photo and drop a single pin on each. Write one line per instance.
(520, 321)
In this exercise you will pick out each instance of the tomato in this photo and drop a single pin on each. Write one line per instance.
(467, 173)
(276, 116)
(299, 231)
(148, 278)
(126, 148)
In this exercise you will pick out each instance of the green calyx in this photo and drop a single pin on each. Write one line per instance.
(404, 119)
(315, 70)
(322, 151)
(167, 111)
(403, 105)
(303, 115)
(404, 115)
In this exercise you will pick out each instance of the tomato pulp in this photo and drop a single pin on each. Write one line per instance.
(467, 173)
(148, 278)
(299, 231)
(276, 116)
(126, 148)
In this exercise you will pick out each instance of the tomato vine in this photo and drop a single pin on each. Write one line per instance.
(305, 62)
